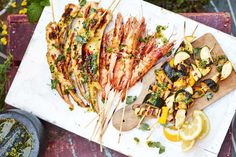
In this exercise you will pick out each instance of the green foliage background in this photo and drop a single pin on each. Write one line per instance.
(182, 5)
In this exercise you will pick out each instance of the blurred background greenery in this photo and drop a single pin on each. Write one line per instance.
(182, 5)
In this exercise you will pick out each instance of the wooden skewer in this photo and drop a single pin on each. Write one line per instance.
(123, 113)
(194, 30)
(52, 6)
(143, 117)
(115, 6)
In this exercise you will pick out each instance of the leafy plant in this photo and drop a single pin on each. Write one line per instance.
(181, 5)
(35, 9)
(3, 79)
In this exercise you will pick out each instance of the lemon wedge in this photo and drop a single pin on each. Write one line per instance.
(171, 134)
(206, 123)
(192, 130)
(187, 145)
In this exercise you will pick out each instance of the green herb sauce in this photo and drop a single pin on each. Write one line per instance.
(15, 140)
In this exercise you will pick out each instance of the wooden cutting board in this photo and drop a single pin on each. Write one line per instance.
(225, 86)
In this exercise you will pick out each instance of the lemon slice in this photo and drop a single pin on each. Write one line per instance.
(171, 134)
(206, 123)
(180, 118)
(192, 130)
(187, 145)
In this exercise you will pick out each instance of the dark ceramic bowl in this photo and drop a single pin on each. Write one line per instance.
(33, 125)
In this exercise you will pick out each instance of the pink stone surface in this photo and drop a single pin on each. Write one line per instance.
(61, 143)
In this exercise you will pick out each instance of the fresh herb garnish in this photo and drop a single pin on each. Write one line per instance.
(52, 68)
(203, 64)
(209, 96)
(152, 144)
(54, 83)
(196, 52)
(137, 140)
(219, 68)
(144, 127)
(93, 10)
(109, 49)
(85, 25)
(130, 99)
(81, 39)
(82, 2)
(59, 58)
(160, 28)
(145, 39)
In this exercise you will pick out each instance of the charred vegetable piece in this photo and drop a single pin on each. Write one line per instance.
(182, 69)
(205, 54)
(182, 99)
(211, 84)
(198, 92)
(181, 83)
(195, 73)
(146, 110)
(169, 71)
(202, 67)
(226, 70)
(154, 100)
(164, 115)
(180, 57)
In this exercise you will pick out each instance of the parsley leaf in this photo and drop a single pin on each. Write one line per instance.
(152, 144)
(59, 58)
(82, 2)
(81, 39)
(209, 96)
(54, 84)
(144, 127)
(162, 149)
(130, 99)
(137, 140)
(93, 10)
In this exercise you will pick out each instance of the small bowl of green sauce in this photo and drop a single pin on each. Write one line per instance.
(21, 134)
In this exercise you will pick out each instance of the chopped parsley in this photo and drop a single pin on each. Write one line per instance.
(152, 144)
(109, 49)
(209, 96)
(160, 28)
(81, 39)
(130, 99)
(203, 64)
(82, 2)
(60, 58)
(93, 10)
(85, 25)
(137, 140)
(145, 39)
(54, 83)
(52, 68)
(144, 127)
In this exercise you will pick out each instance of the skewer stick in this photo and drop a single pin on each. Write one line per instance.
(123, 113)
(184, 28)
(112, 10)
(194, 30)
(52, 6)
(143, 117)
